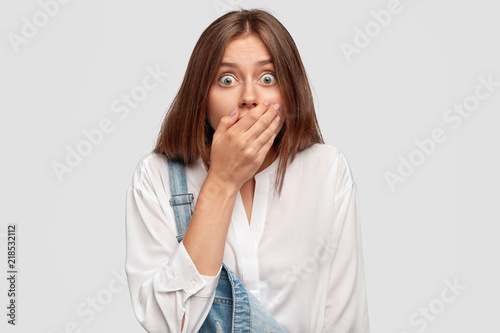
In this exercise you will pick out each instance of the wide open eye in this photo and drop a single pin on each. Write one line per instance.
(226, 80)
(268, 78)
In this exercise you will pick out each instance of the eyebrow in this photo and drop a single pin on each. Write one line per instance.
(234, 65)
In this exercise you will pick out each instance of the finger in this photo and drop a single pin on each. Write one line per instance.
(263, 123)
(225, 123)
(267, 145)
(270, 132)
(251, 117)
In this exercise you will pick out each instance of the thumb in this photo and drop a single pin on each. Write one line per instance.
(226, 122)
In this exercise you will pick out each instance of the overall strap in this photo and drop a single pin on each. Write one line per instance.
(181, 201)
(247, 314)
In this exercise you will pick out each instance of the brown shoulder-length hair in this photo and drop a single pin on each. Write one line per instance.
(186, 133)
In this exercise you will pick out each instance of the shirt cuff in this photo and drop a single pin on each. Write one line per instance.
(188, 276)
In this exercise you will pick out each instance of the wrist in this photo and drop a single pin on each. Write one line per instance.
(219, 186)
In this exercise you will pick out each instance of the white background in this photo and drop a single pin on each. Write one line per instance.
(438, 225)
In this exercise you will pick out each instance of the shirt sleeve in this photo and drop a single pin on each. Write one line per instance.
(346, 307)
(163, 281)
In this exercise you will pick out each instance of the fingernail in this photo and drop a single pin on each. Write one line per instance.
(277, 118)
(276, 106)
(233, 112)
(267, 103)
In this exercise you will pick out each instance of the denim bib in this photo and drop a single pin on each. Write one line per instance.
(234, 309)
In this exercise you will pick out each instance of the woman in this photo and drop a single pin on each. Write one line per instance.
(272, 201)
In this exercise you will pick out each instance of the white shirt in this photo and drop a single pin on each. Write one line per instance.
(301, 254)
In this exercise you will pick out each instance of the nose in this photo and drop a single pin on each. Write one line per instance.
(249, 99)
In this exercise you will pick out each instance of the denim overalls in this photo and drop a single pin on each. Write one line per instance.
(234, 310)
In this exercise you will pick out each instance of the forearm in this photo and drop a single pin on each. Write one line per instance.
(164, 283)
(207, 231)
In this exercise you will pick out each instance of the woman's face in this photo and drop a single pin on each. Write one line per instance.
(245, 79)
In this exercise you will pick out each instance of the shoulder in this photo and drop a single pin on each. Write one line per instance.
(326, 163)
(324, 157)
(325, 152)
(151, 176)
(148, 168)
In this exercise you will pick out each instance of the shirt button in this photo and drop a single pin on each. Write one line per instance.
(193, 284)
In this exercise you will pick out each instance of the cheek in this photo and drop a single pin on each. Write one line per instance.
(220, 104)
(273, 94)
(215, 109)
(213, 117)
